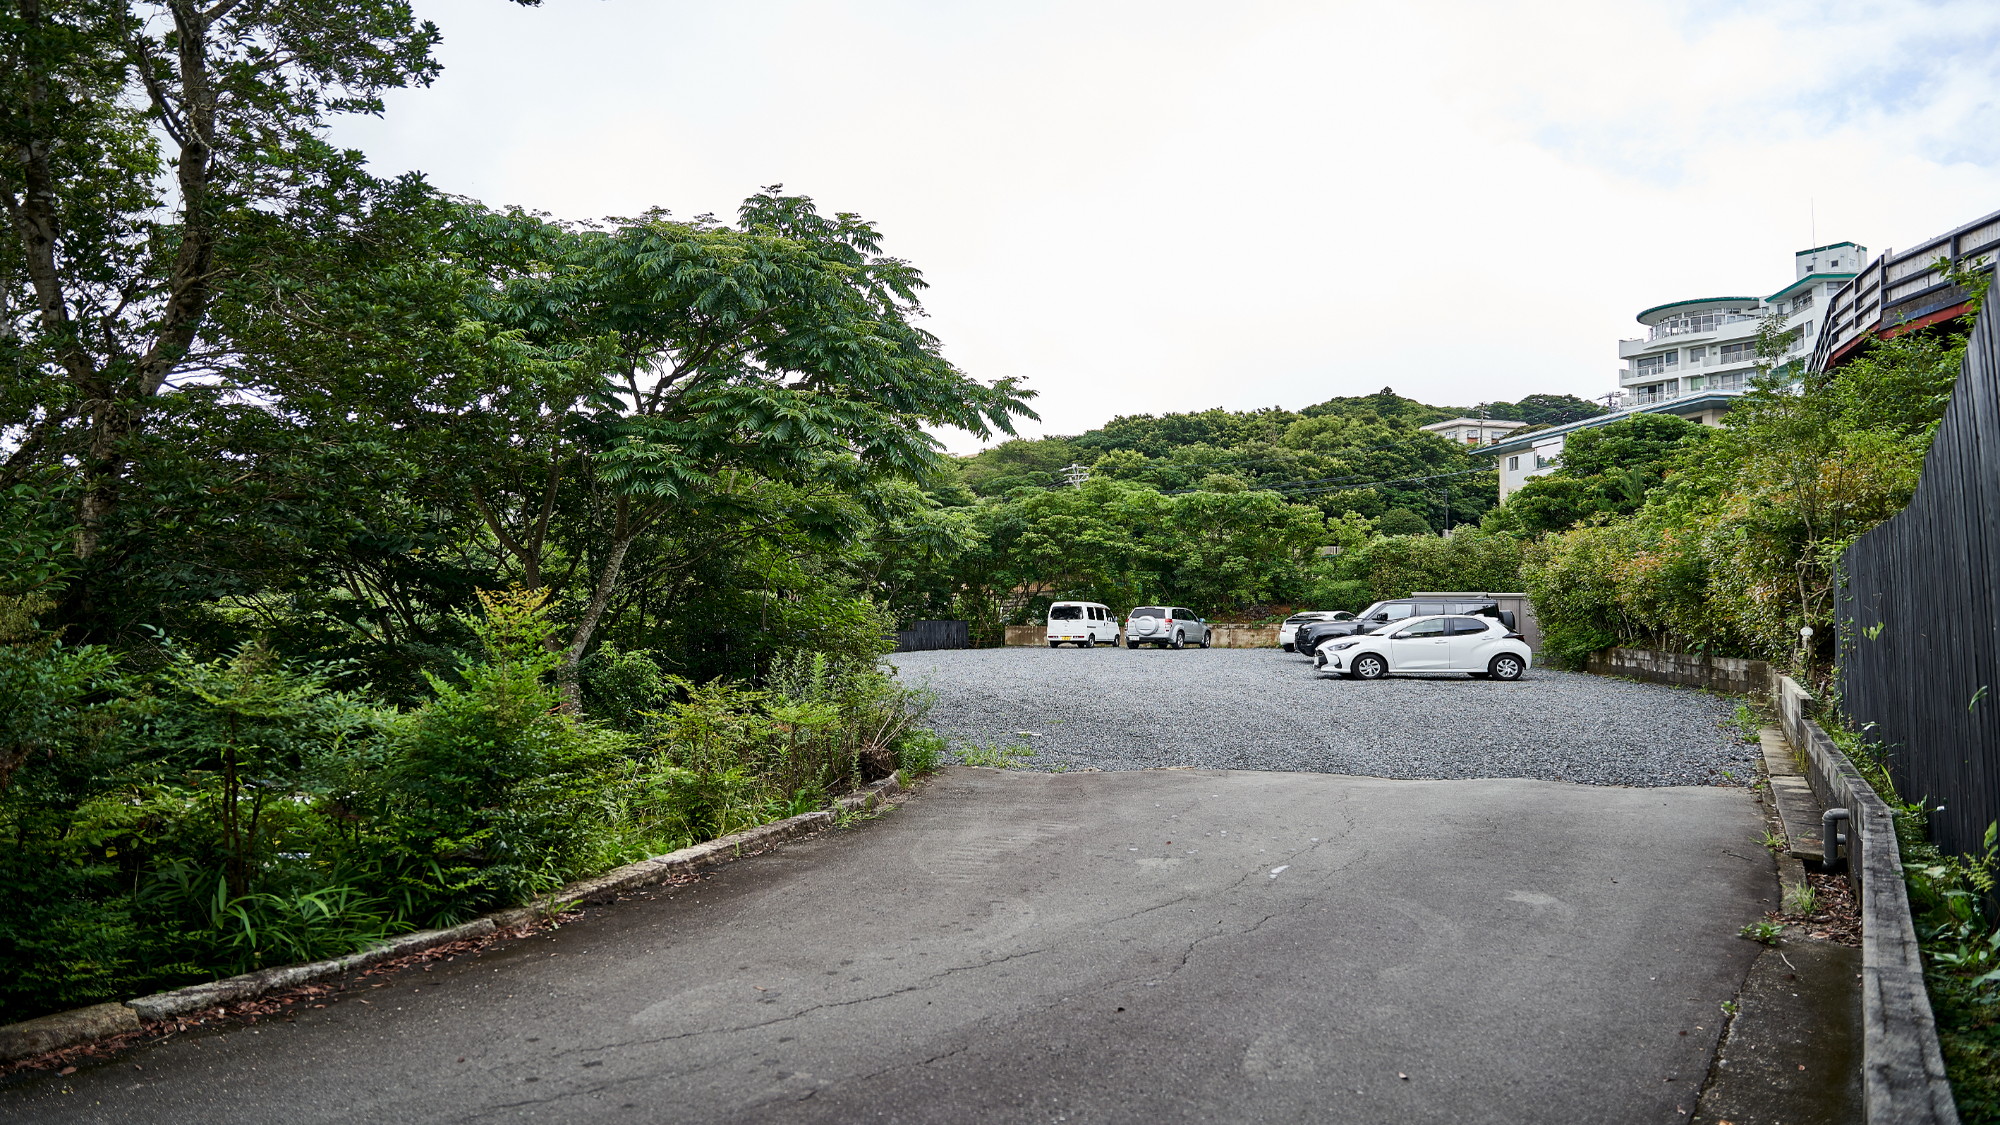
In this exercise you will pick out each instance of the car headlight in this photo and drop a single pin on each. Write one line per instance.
(1346, 644)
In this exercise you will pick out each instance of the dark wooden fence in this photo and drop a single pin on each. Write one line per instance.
(924, 635)
(1920, 617)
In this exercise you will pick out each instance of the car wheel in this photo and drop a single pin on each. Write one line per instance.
(1369, 666)
(1055, 644)
(1179, 641)
(1506, 666)
(1130, 643)
(1206, 637)
(1288, 647)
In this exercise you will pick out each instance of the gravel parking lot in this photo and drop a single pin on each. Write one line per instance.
(1263, 709)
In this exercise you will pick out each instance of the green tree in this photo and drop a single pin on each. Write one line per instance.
(151, 148)
(1543, 410)
(1605, 470)
(1023, 461)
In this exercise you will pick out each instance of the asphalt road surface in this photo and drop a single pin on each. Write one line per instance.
(1142, 946)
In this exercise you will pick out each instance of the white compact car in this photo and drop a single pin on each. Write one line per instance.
(1290, 629)
(1165, 626)
(1477, 646)
(1082, 624)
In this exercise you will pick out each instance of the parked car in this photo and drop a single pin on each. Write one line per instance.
(1082, 624)
(1481, 647)
(1310, 636)
(1290, 628)
(1165, 626)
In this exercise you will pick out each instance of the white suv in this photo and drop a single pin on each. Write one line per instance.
(1165, 626)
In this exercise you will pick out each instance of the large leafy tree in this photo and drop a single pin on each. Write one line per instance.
(785, 347)
(153, 150)
(588, 392)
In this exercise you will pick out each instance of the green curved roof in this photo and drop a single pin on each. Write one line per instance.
(1644, 313)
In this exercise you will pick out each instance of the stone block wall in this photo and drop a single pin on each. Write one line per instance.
(1717, 673)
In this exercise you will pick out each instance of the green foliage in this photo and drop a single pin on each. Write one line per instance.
(1397, 566)
(996, 754)
(1606, 470)
(1735, 549)
(1401, 521)
(918, 752)
(1766, 933)
(619, 687)
(1950, 899)
(1216, 510)
(1022, 462)
(271, 425)
(492, 790)
(214, 816)
(1543, 410)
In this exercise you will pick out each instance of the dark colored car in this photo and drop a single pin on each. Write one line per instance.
(1309, 637)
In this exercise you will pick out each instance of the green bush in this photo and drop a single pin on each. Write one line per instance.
(490, 792)
(222, 815)
(1397, 566)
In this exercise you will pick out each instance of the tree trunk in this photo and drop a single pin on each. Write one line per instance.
(567, 674)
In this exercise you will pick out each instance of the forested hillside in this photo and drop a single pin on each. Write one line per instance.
(1228, 512)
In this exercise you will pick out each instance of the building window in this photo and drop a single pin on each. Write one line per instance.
(1802, 301)
(1654, 364)
(1739, 353)
(1513, 464)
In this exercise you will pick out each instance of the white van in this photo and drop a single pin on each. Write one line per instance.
(1082, 624)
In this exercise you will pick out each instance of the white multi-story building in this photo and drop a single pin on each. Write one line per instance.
(1710, 343)
(1473, 431)
(1698, 355)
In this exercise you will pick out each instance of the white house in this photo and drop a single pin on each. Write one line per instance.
(1698, 356)
(1473, 431)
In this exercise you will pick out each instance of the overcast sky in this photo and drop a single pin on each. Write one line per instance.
(1149, 207)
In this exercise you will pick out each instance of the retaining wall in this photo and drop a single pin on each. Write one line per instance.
(99, 1021)
(1903, 1077)
(1718, 673)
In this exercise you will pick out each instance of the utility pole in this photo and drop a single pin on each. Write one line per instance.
(1074, 474)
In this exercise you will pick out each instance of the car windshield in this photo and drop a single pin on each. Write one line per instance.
(1394, 611)
(1149, 611)
(1066, 613)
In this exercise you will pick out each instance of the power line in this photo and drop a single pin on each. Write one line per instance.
(1337, 484)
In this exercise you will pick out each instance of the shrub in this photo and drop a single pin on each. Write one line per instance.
(491, 791)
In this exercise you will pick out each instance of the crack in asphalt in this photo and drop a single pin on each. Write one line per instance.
(612, 1083)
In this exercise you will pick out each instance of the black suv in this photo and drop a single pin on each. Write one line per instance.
(1310, 637)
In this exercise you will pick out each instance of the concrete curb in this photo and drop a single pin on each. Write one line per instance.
(99, 1021)
(1903, 1077)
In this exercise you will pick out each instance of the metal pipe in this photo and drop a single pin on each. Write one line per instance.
(1831, 838)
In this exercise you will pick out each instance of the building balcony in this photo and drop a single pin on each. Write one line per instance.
(1731, 382)
(1630, 375)
(1703, 325)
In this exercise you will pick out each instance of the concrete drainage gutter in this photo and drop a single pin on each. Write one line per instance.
(101, 1021)
(1903, 1077)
